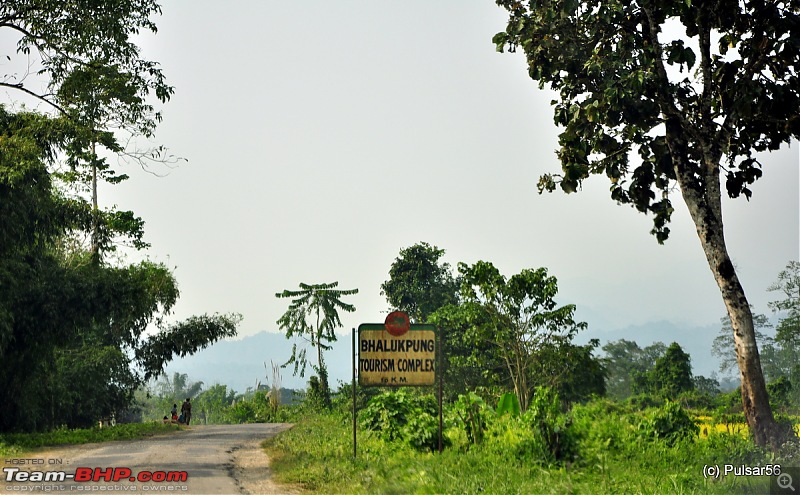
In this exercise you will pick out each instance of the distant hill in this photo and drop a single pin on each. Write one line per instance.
(239, 364)
(695, 340)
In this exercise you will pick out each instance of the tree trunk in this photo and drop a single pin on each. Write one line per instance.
(702, 196)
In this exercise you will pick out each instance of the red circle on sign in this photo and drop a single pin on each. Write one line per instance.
(397, 323)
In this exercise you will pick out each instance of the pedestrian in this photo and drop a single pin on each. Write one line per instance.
(186, 411)
(174, 412)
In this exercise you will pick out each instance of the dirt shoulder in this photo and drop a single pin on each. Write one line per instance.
(210, 454)
(252, 472)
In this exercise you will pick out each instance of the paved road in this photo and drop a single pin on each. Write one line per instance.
(206, 453)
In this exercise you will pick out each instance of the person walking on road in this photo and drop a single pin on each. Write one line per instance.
(186, 411)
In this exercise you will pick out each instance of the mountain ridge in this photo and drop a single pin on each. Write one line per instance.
(244, 362)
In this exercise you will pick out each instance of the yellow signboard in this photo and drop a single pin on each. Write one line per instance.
(391, 360)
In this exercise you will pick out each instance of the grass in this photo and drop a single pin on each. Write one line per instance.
(317, 455)
(13, 444)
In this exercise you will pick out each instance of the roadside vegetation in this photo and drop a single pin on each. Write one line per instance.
(526, 410)
(600, 446)
(14, 444)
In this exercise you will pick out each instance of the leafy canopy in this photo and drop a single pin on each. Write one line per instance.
(418, 283)
(513, 328)
(641, 83)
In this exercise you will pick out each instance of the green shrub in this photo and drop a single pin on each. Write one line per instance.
(554, 438)
(670, 423)
(510, 437)
(643, 401)
(472, 414)
(401, 416)
(603, 426)
(778, 391)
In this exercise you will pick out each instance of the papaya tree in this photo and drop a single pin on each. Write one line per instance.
(658, 94)
(313, 315)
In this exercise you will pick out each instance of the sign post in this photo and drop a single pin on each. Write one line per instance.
(396, 354)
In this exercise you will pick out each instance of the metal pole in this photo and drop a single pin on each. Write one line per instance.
(354, 393)
(439, 356)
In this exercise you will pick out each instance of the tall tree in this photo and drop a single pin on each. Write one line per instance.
(72, 334)
(672, 373)
(313, 315)
(625, 361)
(787, 332)
(419, 283)
(72, 39)
(517, 318)
(788, 283)
(93, 74)
(650, 108)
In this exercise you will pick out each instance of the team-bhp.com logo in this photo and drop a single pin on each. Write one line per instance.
(94, 475)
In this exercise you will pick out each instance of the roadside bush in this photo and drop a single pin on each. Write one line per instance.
(670, 423)
(472, 414)
(603, 426)
(643, 401)
(554, 436)
(343, 397)
(399, 415)
(255, 409)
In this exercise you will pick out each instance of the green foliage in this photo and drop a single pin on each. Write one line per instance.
(631, 108)
(473, 415)
(471, 362)
(508, 404)
(94, 71)
(256, 408)
(782, 358)
(670, 423)
(788, 283)
(723, 347)
(609, 62)
(18, 443)
(779, 391)
(210, 406)
(554, 438)
(418, 283)
(707, 386)
(400, 415)
(514, 327)
(672, 373)
(184, 338)
(73, 346)
(612, 457)
(626, 362)
(343, 398)
(643, 401)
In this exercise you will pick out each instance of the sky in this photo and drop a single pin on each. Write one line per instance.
(321, 138)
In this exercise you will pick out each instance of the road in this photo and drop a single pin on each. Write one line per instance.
(223, 459)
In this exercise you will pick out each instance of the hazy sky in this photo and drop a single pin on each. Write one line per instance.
(323, 137)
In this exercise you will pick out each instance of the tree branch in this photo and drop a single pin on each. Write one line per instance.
(20, 87)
